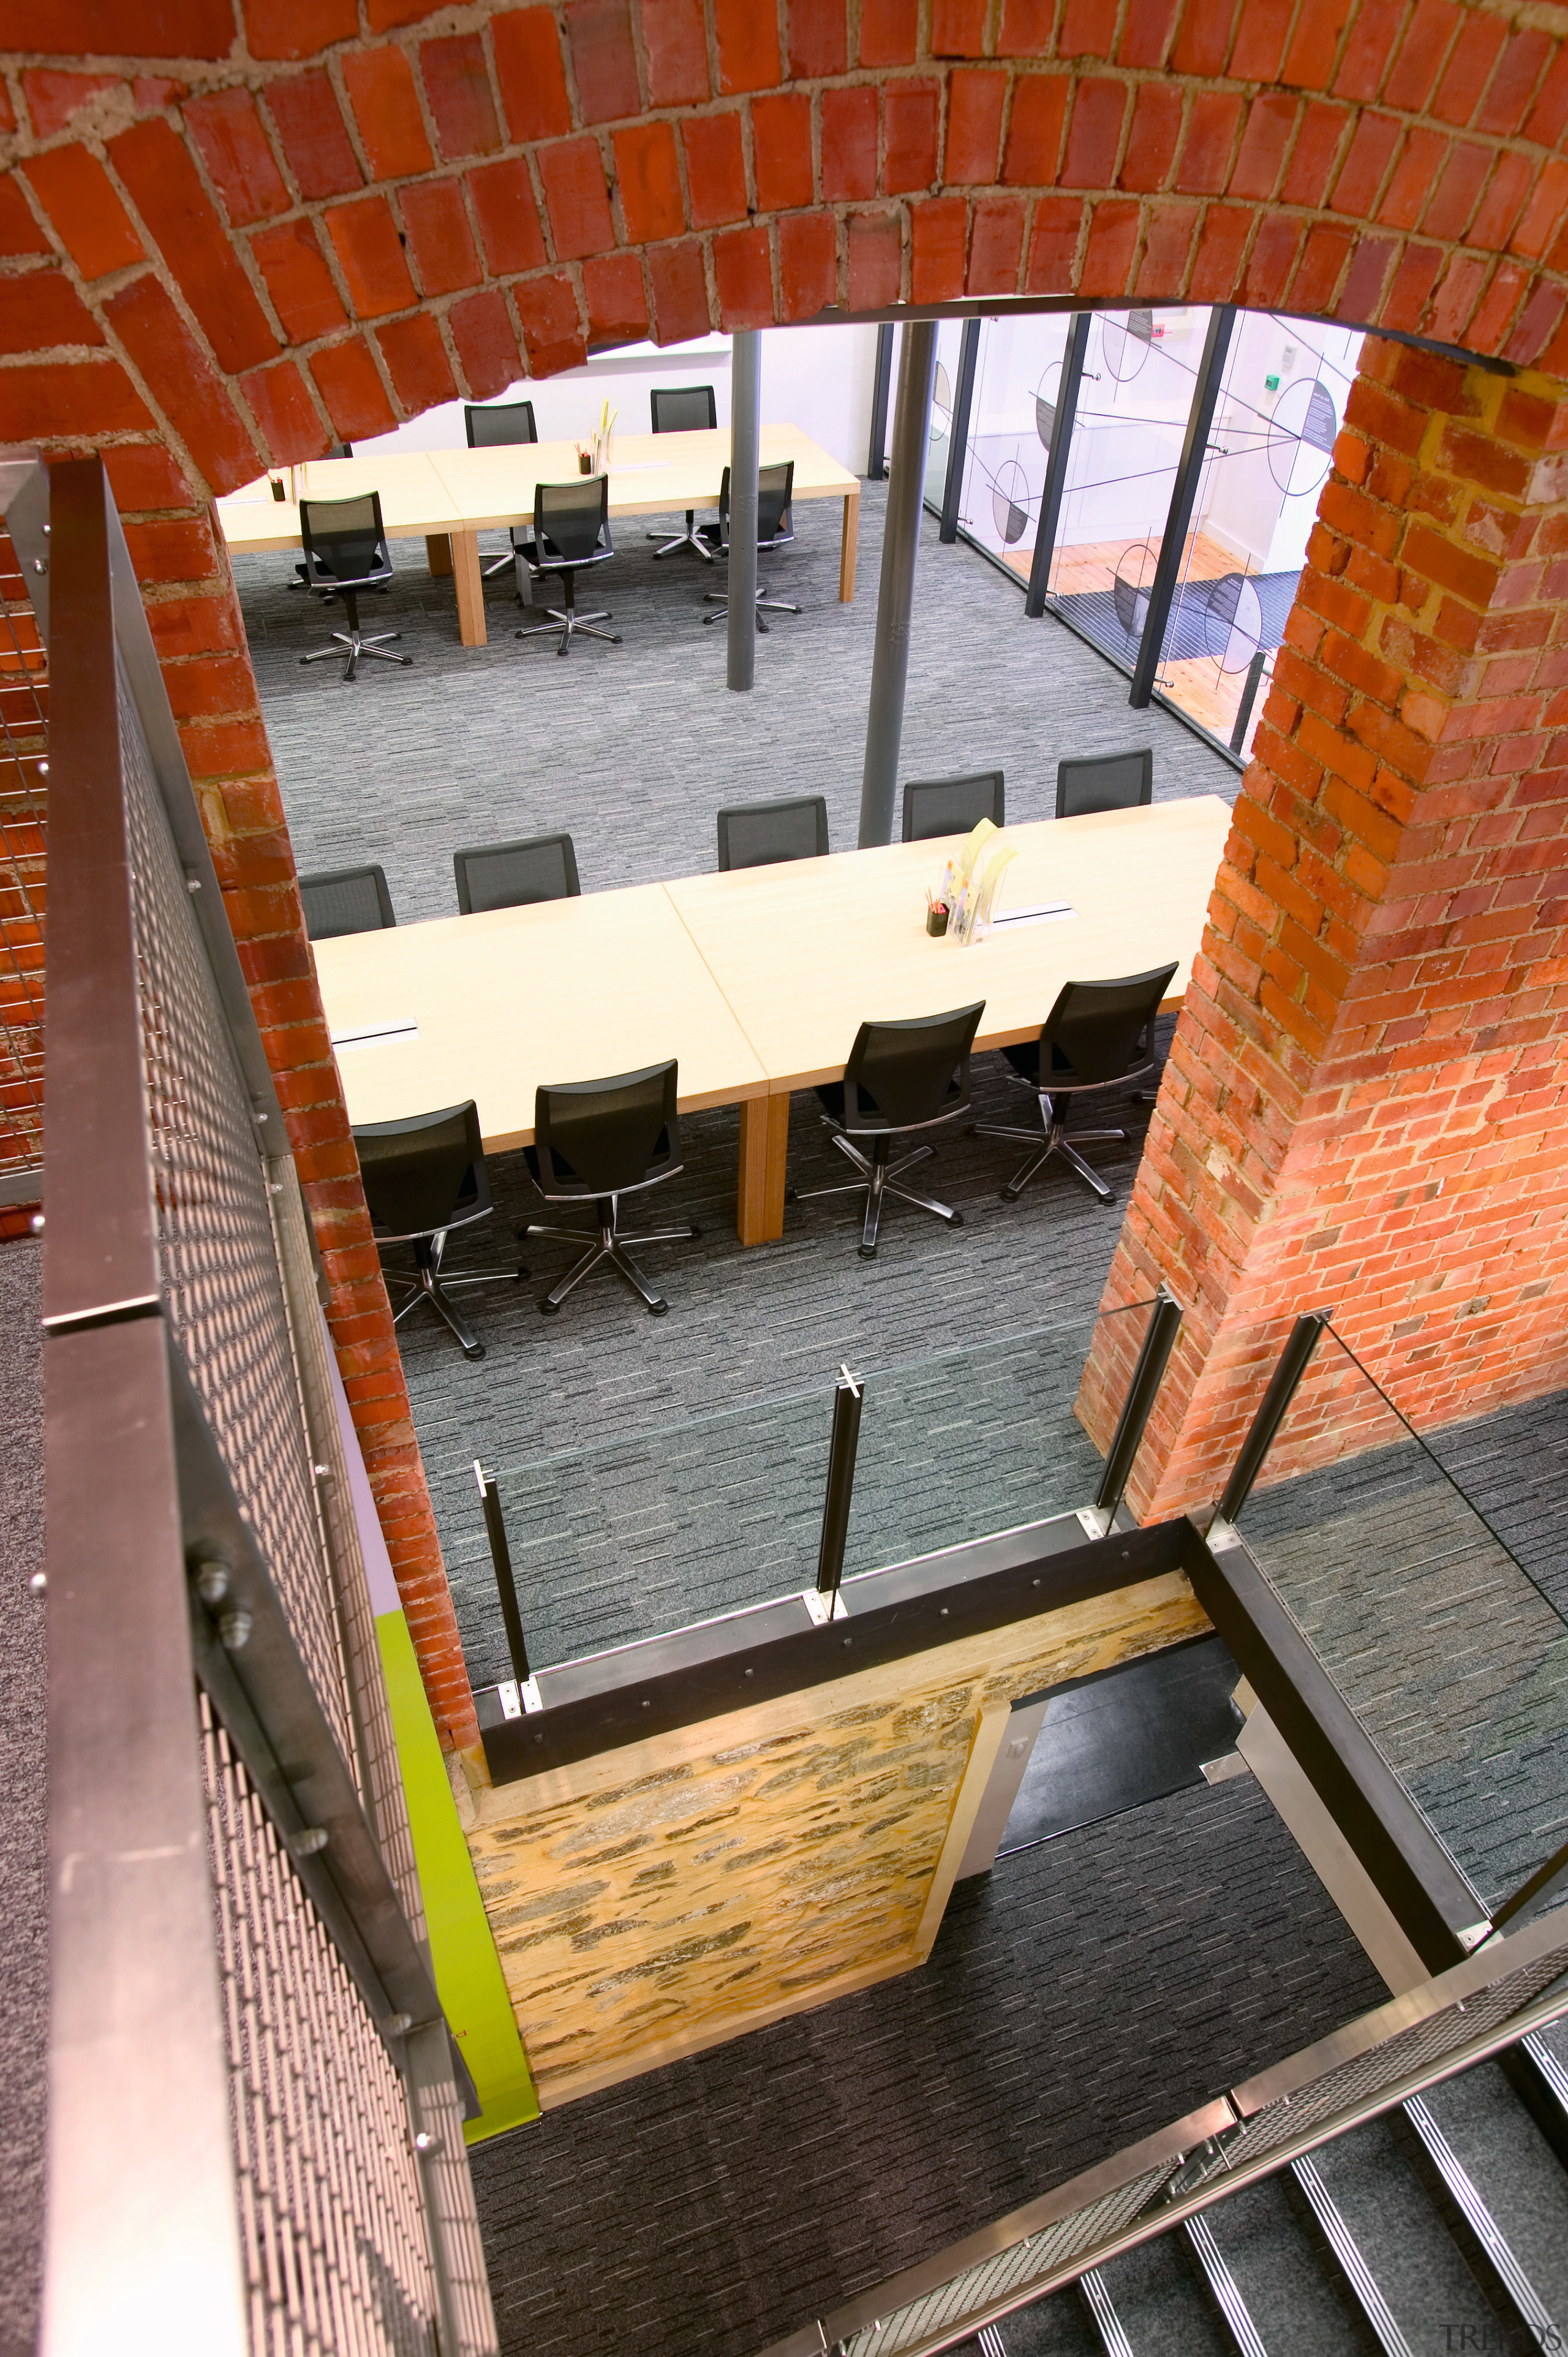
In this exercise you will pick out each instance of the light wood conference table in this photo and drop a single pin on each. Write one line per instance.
(757, 980)
(449, 497)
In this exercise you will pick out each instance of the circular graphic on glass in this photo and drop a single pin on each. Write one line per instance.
(1301, 435)
(1233, 622)
(1126, 341)
(1130, 589)
(942, 405)
(1047, 395)
(1008, 486)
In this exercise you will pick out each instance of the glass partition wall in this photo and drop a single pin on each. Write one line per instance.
(1126, 390)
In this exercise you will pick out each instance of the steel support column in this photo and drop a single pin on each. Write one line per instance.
(745, 436)
(1184, 497)
(881, 386)
(1057, 463)
(895, 596)
(958, 433)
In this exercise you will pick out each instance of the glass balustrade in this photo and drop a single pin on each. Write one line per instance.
(1450, 1656)
(717, 1512)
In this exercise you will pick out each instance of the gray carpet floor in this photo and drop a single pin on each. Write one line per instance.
(24, 1893)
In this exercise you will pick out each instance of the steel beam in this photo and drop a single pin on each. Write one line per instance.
(1184, 497)
(958, 432)
(1057, 464)
(745, 440)
(895, 597)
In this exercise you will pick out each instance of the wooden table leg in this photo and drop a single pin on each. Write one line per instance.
(851, 537)
(438, 554)
(470, 586)
(764, 1145)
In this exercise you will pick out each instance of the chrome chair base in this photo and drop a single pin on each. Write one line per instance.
(1052, 1140)
(431, 1283)
(358, 646)
(690, 538)
(571, 625)
(608, 1245)
(719, 598)
(878, 1180)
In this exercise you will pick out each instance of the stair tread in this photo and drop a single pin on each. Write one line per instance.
(1418, 2267)
(1515, 2171)
(1161, 2302)
(1295, 2295)
(1054, 2327)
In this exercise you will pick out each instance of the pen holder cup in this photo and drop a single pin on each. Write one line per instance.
(936, 922)
(585, 463)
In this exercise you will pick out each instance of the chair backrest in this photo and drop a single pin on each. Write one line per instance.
(913, 1070)
(345, 900)
(498, 421)
(513, 875)
(760, 835)
(775, 490)
(425, 1172)
(1099, 1031)
(345, 538)
(934, 806)
(1105, 781)
(599, 1137)
(684, 409)
(571, 521)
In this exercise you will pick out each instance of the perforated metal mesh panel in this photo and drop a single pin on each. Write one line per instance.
(331, 2222)
(24, 750)
(216, 1241)
(980, 2288)
(1356, 2085)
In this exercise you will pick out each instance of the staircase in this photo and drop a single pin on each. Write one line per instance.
(1437, 2228)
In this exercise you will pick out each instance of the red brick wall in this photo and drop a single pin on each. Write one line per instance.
(1363, 1105)
(262, 225)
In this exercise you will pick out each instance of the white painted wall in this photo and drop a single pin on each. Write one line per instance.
(819, 379)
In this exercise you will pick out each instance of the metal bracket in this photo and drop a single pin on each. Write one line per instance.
(518, 1696)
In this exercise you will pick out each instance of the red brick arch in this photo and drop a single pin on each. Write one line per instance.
(235, 232)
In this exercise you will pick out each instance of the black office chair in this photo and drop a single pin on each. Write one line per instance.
(1105, 781)
(595, 1141)
(762, 835)
(345, 900)
(515, 875)
(774, 489)
(901, 1077)
(571, 529)
(934, 806)
(491, 426)
(425, 1177)
(687, 409)
(1099, 1034)
(346, 552)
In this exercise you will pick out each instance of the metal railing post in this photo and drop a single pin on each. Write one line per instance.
(958, 431)
(746, 412)
(1057, 463)
(1249, 697)
(1159, 1338)
(881, 391)
(1184, 497)
(847, 1403)
(506, 1584)
(1304, 1339)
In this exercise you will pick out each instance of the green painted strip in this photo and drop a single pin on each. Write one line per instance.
(468, 1977)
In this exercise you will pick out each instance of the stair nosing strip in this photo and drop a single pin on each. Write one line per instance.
(1346, 2250)
(1473, 2207)
(1102, 2308)
(1227, 2293)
